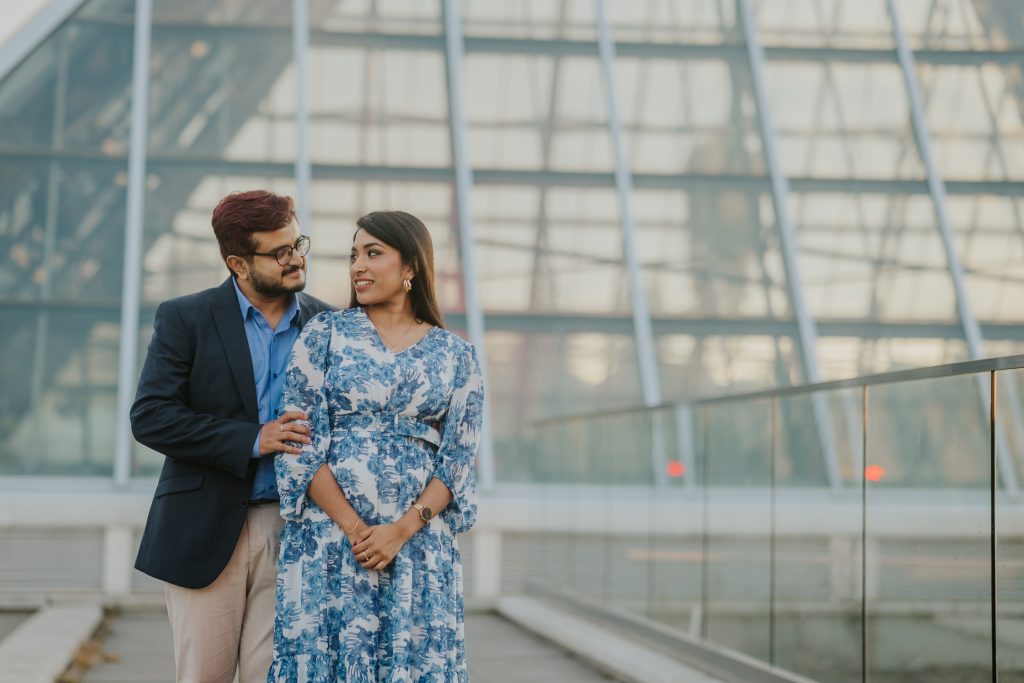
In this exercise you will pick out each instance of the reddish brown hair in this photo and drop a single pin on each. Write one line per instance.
(240, 214)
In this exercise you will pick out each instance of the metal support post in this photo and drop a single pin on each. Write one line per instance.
(647, 358)
(454, 51)
(807, 333)
(303, 166)
(132, 277)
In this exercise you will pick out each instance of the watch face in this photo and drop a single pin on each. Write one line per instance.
(426, 514)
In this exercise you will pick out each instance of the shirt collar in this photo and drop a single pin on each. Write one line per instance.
(245, 306)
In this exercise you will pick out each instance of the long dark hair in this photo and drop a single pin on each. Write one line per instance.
(406, 233)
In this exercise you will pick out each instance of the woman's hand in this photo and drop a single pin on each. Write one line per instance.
(380, 545)
(357, 534)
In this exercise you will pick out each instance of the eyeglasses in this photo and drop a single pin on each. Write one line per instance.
(283, 255)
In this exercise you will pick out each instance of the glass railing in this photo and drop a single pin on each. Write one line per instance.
(862, 530)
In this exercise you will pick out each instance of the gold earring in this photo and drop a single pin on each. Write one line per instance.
(407, 284)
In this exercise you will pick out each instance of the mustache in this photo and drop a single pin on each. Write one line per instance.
(293, 270)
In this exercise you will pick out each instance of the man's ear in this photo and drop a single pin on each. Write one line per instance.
(239, 266)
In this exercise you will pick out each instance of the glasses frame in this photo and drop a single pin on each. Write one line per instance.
(301, 247)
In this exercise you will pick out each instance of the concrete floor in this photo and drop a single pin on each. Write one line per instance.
(499, 652)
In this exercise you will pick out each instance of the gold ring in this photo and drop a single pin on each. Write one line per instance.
(365, 558)
(282, 426)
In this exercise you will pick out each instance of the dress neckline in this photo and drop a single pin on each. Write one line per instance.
(380, 340)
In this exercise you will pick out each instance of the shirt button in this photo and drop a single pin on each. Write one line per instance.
(245, 502)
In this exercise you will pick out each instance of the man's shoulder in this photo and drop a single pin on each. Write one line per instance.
(196, 301)
(313, 304)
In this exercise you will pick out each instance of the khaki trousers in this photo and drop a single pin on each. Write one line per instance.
(229, 625)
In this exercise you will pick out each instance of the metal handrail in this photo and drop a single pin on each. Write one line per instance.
(931, 372)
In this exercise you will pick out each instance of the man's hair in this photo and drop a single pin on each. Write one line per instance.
(240, 214)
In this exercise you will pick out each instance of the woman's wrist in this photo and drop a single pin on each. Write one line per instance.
(351, 526)
(409, 524)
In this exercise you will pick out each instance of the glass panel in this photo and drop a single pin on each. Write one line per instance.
(673, 21)
(676, 544)
(961, 24)
(825, 23)
(222, 94)
(1010, 536)
(975, 120)
(390, 109)
(816, 576)
(737, 610)
(536, 112)
(60, 289)
(988, 232)
(842, 119)
(707, 251)
(372, 16)
(592, 516)
(665, 129)
(873, 257)
(72, 92)
(631, 450)
(537, 19)
(59, 404)
(64, 129)
(928, 530)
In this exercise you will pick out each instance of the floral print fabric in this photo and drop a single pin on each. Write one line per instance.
(385, 424)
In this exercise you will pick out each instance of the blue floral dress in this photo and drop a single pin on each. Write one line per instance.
(385, 424)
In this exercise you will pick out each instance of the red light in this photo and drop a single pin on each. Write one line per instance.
(675, 469)
(874, 472)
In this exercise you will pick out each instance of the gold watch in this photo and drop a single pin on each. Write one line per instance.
(426, 514)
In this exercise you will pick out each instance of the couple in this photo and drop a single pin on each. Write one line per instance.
(318, 460)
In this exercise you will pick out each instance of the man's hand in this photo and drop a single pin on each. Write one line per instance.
(276, 435)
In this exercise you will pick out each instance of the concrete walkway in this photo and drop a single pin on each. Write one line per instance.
(498, 651)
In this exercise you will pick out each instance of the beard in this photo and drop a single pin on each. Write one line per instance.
(273, 287)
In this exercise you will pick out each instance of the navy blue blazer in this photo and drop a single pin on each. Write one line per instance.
(196, 404)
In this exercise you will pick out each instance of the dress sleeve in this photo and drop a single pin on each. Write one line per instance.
(305, 389)
(460, 437)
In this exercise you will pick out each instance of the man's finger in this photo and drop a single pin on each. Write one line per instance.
(292, 415)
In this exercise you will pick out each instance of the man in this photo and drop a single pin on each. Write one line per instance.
(207, 399)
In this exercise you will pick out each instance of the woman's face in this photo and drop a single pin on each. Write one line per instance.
(377, 270)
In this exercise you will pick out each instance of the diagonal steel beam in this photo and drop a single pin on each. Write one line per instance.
(937, 191)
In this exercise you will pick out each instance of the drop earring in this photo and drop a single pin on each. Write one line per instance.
(407, 284)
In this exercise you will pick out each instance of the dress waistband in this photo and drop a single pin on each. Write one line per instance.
(405, 425)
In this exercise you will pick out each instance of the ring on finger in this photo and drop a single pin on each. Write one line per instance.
(281, 426)
(365, 557)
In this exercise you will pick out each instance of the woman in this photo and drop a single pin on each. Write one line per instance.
(370, 579)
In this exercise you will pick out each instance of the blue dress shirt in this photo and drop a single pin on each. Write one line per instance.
(270, 350)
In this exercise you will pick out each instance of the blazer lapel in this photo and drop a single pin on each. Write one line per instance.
(231, 329)
(306, 309)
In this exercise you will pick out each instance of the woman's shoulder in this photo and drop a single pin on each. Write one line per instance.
(333, 318)
(453, 343)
